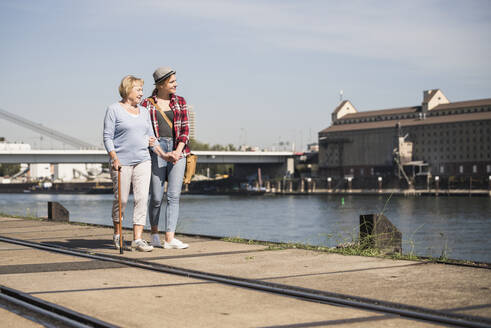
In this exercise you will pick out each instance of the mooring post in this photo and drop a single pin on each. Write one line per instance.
(57, 212)
(378, 232)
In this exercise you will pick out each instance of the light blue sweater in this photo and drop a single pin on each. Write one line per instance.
(127, 134)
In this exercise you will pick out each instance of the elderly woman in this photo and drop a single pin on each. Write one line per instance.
(168, 113)
(127, 136)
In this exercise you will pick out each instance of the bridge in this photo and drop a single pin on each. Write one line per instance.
(51, 133)
(100, 156)
(277, 163)
(274, 163)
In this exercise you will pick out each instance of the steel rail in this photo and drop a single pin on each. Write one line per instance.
(49, 310)
(313, 295)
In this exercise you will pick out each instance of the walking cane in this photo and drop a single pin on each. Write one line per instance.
(120, 216)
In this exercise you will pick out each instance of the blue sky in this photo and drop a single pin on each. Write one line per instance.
(256, 72)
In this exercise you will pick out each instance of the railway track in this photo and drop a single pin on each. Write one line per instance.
(46, 313)
(312, 295)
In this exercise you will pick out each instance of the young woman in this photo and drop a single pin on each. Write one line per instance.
(168, 113)
(127, 136)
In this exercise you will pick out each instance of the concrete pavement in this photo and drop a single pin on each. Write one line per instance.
(131, 297)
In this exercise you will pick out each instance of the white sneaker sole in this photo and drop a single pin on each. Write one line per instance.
(175, 247)
(139, 249)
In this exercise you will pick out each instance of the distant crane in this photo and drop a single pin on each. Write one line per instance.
(65, 138)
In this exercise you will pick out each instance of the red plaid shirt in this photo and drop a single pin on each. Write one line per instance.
(181, 123)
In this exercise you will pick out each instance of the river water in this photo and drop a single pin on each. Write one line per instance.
(458, 227)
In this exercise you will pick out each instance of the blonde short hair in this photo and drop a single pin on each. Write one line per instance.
(127, 83)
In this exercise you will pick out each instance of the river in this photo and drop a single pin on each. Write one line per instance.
(458, 227)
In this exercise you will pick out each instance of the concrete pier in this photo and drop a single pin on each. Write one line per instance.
(130, 297)
(401, 192)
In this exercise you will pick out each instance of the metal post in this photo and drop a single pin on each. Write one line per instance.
(379, 184)
(437, 184)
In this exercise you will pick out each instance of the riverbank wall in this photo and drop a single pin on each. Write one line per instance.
(224, 188)
(397, 192)
(57, 187)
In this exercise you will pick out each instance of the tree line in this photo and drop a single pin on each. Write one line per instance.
(197, 145)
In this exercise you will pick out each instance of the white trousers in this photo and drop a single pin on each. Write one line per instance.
(139, 176)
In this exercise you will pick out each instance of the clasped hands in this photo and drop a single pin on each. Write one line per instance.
(172, 156)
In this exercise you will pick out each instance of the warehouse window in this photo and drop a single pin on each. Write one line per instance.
(461, 169)
(442, 169)
(474, 168)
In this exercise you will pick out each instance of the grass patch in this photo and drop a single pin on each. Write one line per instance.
(5, 215)
(356, 249)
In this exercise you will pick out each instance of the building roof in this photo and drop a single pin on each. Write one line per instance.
(414, 109)
(476, 116)
(401, 110)
(460, 104)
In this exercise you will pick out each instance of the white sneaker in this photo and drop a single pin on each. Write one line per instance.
(116, 241)
(175, 243)
(141, 245)
(155, 242)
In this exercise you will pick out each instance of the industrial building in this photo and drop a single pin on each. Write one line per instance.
(439, 139)
(192, 122)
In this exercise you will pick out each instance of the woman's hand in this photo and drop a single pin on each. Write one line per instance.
(160, 153)
(165, 156)
(151, 141)
(176, 155)
(115, 165)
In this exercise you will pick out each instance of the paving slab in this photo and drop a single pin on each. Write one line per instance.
(131, 297)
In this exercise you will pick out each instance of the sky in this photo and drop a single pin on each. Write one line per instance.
(261, 73)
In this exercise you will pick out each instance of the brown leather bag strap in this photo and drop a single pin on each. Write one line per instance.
(161, 112)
